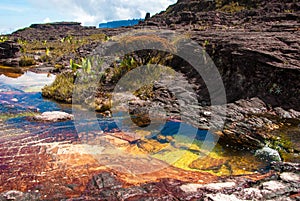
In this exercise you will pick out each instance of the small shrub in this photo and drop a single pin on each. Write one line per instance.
(26, 61)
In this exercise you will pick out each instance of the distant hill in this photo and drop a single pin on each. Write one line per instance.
(120, 23)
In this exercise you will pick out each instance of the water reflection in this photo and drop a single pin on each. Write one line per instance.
(12, 72)
(27, 82)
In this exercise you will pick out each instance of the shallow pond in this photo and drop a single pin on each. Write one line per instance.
(173, 142)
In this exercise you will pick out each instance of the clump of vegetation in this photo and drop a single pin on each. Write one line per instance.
(127, 64)
(146, 92)
(232, 7)
(90, 77)
(53, 50)
(27, 61)
(235, 6)
(103, 104)
(3, 39)
(86, 79)
(150, 40)
(85, 65)
(275, 89)
(289, 11)
(62, 88)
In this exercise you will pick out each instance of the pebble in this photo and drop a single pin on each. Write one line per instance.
(14, 100)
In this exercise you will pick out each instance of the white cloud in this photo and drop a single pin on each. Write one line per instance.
(46, 20)
(92, 12)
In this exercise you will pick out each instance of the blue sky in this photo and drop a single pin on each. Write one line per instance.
(15, 14)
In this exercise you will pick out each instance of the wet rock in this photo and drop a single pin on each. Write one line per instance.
(248, 121)
(151, 146)
(19, 196)
(131, 193)
(191, 188)
(220, 186)
(129, 137)
(164, 139)
(221, 197)
(139, 113)
(213, 187)
(53, 116)
(269, 187)
(290, 177)
(115, 141)
(208, 163)
(268, 154)
(104, 180)
(274, 188)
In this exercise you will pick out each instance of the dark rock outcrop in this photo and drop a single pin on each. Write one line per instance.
(9, 53)
(254, 44)
(53, 31)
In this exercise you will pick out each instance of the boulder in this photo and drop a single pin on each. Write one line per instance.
(268, 154)
(53, 116)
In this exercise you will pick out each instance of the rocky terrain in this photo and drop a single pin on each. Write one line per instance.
(265, 30)
(254, 44)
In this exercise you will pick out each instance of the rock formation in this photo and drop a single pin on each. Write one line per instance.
(255, 46)
(9, 53)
